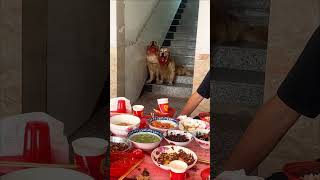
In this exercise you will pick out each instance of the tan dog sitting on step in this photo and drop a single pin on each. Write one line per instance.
(168, 67)
(153, 62)
(228, 28)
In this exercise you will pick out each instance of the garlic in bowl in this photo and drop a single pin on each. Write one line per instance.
(202, 137)
(191, 125)
(120, 125)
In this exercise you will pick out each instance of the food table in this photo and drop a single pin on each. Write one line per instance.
(154, 172)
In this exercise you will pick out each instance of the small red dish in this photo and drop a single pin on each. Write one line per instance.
(205, 174)
(296, 170)
(205, 116)
(171, 113)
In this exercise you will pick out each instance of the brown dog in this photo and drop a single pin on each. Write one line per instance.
(228, 28)
(168, 67)
(153, 62)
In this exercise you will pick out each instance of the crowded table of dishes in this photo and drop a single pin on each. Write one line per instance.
(157, 145)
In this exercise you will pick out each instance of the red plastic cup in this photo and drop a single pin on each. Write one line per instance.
(90, 154)
(138, 110)
(37, 147)
(121, 106)
(163, 105)
(178, 170)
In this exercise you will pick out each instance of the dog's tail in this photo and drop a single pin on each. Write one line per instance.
(183, 71)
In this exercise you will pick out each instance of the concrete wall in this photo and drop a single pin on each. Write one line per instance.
(202, 55)
(117, 48)
(76, 59)
(10, 57)
(144, 21)
(288, 34)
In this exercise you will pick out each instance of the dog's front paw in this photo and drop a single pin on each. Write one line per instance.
(149, 81)
(159, 82)
(170, 84)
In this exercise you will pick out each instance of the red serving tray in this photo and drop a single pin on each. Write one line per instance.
(121, 162)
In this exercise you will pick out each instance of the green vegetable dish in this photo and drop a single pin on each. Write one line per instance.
(145, 138)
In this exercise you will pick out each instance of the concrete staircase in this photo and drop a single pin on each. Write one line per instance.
(181, 40)
(237, 80)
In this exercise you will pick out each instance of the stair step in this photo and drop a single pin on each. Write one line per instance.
(183, 34)
(237, 86)
(187, 61)
(177, 90)
(184, 80)
(240, 56)
(172, 35)
(221, 108)
(262, 4)
(188, 51)
(238, 76)
(185, 22)
(186, 30)
(186, 43)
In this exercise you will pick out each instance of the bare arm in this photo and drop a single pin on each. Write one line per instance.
(271, 123)
(192, 104)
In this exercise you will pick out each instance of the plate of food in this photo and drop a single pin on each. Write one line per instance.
(163, 155)
(191, 125)
(162, 124)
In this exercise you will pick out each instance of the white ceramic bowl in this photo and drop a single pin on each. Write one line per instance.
(170, 149)
(189, 136)
(172, 121)
(145, 146)
(202, 143)
(115, 139)
(123, 118)
(191, 125)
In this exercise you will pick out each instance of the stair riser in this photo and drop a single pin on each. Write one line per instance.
(187, 21)
(236, 93)
(189, 44)
(186, 51)
(190, 36)
(184, 80)
(186, 30)
(186, 61)
(170, 91)
(240, 58)
(248, 4)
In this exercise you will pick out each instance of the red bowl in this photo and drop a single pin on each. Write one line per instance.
(205, 174)
(296, 170)
(203, 116)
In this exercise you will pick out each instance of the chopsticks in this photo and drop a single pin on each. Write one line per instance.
(204, 161)
(130, 170)
(35, 165)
